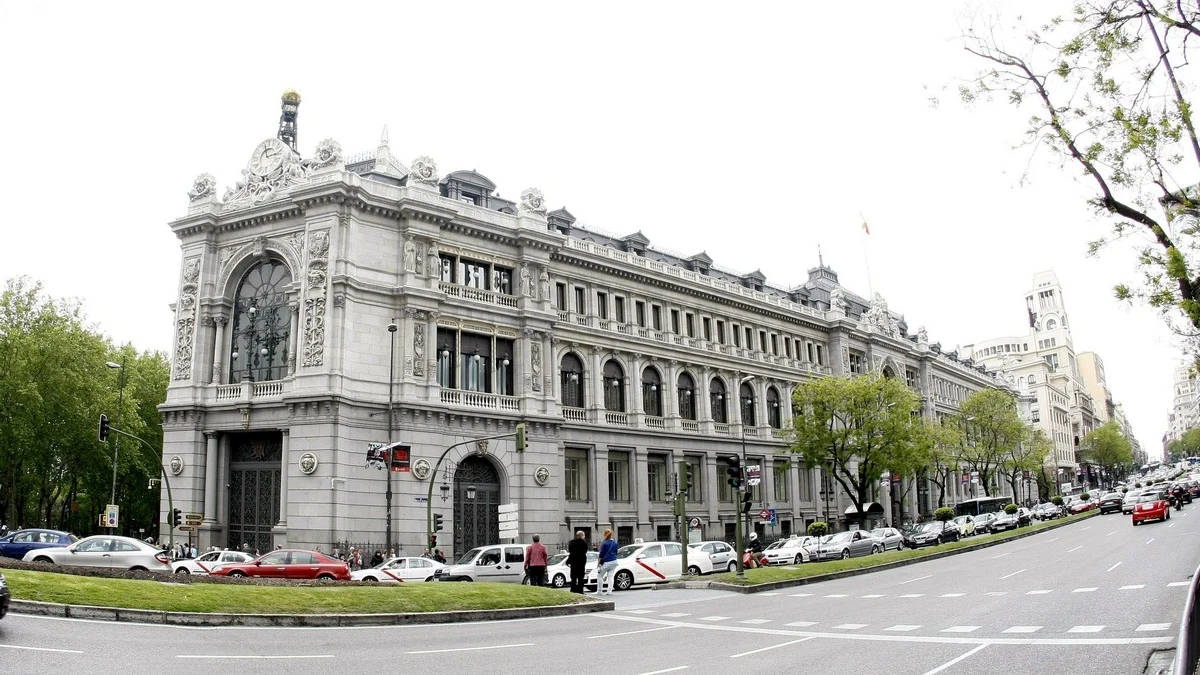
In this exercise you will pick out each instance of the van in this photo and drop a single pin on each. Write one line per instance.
(495, 563)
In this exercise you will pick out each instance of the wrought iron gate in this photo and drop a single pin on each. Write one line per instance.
(254, 490)
(477, 520)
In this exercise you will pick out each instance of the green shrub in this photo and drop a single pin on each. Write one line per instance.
(818, 529)
(1085, 496)
(1137, 485)
(1056, 500)
(1010, 508)
(943, 514)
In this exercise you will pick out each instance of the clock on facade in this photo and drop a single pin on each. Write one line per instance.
(268, 156)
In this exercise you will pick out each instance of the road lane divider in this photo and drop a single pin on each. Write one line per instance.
(955, 660)
(763, 649)
(470, 649)
(1013, 574)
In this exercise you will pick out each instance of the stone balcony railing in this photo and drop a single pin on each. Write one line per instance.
(477, 294)
(476, 399)
(250, 391)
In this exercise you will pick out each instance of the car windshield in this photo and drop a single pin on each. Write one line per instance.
(1111, 495)
(1149, 497)
(626, 551)
(838, 538)
(468, 558)
(930, 527)
(557, 559)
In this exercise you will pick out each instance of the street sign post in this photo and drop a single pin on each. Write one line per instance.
(509, 516)
(765, 514)
(753, 474)
(773, 518)
(112, 514)
(187, 528)
(193, 518)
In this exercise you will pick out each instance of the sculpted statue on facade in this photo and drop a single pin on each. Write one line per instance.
(424, 170)
(922, 336)
(544, 284)
(526, 282)
(328, 152)
(535, 361)
(410, 256)
(837, 299)
(532, 202)
(434, 259)
(204, 187)
(418, 348)
(318, 244)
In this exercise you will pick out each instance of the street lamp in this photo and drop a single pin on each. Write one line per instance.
(471, 492)
(391, 403)
(120, 409)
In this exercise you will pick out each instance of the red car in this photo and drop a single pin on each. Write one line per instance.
(1151, 506)
(288, 564)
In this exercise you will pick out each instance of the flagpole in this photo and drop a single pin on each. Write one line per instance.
(866, 259)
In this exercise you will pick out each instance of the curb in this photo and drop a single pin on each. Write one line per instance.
(301, 620)
(790, 583)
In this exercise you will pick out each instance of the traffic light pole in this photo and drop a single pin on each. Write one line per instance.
(681, 509)
(166, 481)
(429, 531)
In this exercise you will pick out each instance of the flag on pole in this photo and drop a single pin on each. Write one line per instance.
(865, 228)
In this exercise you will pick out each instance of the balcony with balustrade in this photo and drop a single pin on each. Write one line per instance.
(479, 295)
(246, 391)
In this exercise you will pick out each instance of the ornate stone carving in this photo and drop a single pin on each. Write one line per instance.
(837, 300)
(295, 241)
(421, 469)
(845, 360)
(541, 475)
(532, 202)
(535, 361)
(274, 169)
(204, 187)
(176, 465)
(526, 281)
(185, 319)
(544, 285)
(314, 300)
(418, 349)
(308, 463)
(419, 269)
(877, 318)
(435, 261)
(424, 170)
(339, 300)
(410, 256)
(328, 152)
(922, 336)
(227, 254)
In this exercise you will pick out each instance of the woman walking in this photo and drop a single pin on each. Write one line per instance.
(608, 564)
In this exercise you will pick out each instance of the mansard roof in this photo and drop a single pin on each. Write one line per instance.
(470, 177)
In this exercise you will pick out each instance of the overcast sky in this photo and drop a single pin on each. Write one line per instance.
(754, 131)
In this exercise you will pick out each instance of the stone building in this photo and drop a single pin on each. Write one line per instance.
(334, 303)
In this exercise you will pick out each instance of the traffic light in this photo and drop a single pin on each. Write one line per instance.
(433, 542)
(734, 471)
(437, 522)
(176, 518)
(103, 428)
(520, 437)
(688, 480)
(747, 502)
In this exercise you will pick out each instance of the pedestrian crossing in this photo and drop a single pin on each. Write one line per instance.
(1089, 629)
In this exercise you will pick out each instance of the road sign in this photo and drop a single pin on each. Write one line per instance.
(193, 518)
(694, 523)
(753, 474)
(765, 514)
(509, 515)
(112, 513)
(507, 508)
(772, 516)
(186, 528)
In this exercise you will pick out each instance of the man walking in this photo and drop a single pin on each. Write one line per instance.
(535, 562)
(577, 552)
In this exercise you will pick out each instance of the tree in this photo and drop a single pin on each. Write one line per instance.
(943, 514)
(1028, 455)
(1107, 98)
(860, 426)
(939, 451)
(992, 432)
(818, 528)
(1106, 447)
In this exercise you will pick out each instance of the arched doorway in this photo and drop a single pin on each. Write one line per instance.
(476, 519)
(254, 467)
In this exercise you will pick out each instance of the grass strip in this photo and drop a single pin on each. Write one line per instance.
(764, 575)
(239, 599)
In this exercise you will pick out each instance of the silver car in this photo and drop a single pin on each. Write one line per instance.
(790, 551)
(888, 537)
(844, 545)
(104, 550)
(721, 554)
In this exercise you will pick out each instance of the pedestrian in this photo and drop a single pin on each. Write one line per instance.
(577, 552)
(608, 563)
(535, 562)
(377, 559)
(194, 552)
(437, 555)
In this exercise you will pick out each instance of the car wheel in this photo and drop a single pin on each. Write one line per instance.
(799, 559)
(325, 577)
(183, 570)
(428, 579)
(732, 566)
(558, 581)
(138, 568)
(371, 580)
(44, 560)
(238, 573)
(1135, 523)
(693, 571)
(845, 554)
(875, 550)
(624, 580)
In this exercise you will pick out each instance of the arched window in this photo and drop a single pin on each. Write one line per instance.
(687, 396)
(774, 413)
(716, 400)
(1031, 380)
(570, 373)
(652, 393)
(747, 395)
(614, 387)
(261, 324)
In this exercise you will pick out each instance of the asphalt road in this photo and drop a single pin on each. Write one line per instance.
(1096, 596)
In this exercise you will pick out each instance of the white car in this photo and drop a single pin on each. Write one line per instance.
(104, 550)
(653, 562)
(790, 551)
(396, 570)
(966, 525)
(497, 563)
(558, 572)
(205, 563)
(719, 553)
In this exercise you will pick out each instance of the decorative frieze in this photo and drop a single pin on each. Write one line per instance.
(185, 319)
(314, 299)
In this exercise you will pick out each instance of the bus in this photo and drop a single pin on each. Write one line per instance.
(975, 507)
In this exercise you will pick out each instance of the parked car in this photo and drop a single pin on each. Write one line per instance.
(1111, 503)
(888, 538)
(1081, 506)
(396, 570)
(1005, 521)
(18, 543)
(287, 563)
(203, 564)
(5, 596)
(843, 545)
(652, 562)
(966, 525)
(1046, 511)
(1024, 516)
(497, 563)
(983, 523)
(1152, 505)
(931, 534)
(722, 555)
(104, 550)
(790, 551)
(558, 572)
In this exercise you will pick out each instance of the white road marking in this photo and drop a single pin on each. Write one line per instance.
(630, 632)
(1089, 589)
(767, 594)
(1111, 533)
(913, 595)
(1085, 629)
(875, 595)
(996, 594)
(836, 595)
(1086, 528)
(954, 660)
(801, 595)
(1113, 567)
(850, 626)
(444, 651)
(1050, 540)
(802, 624)
(763, 649)
(1022, 629)
(1038, 592)
(676, 615)
(1152, 626)
(756, 621)
(664, 670)
(640, 611)
(42, 649)
(713, 618)
(927, 576)
(1012, 575)
(951, 595)
(902, 628)
(1075, 549)
(1001, 555)
(1178, 583)
(1151, 539)
(282, 656)
(960, 629)
(1131, 587)
(1169, 526)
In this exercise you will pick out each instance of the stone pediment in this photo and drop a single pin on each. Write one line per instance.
(470, 178)
(701, 257)
(636, 238)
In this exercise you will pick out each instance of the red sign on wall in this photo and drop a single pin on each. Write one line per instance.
(400, 458)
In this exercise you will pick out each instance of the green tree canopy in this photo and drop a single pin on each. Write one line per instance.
(861, 426)
(1107, 448)
(992, 435)
(938, 453)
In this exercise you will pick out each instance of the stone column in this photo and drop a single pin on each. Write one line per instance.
(703, 404)
(548, 369)
(210, 477)
(431, 351)
(670, 394)
(596, 402)
(293, 336)
(795, 468)
(408, 358)
(601, 483)
(633, 394)
(285, 463)
(714, 475)
(523, 374)
(641, 487)
(218, 349)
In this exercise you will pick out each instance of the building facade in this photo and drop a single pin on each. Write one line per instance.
(331, 304)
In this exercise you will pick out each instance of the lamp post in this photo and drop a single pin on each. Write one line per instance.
(744, 380)
(391, 403)
(120, 409)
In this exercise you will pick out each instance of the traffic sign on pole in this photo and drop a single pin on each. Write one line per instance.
(508, 517)
(193, 518)
(765, 514)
